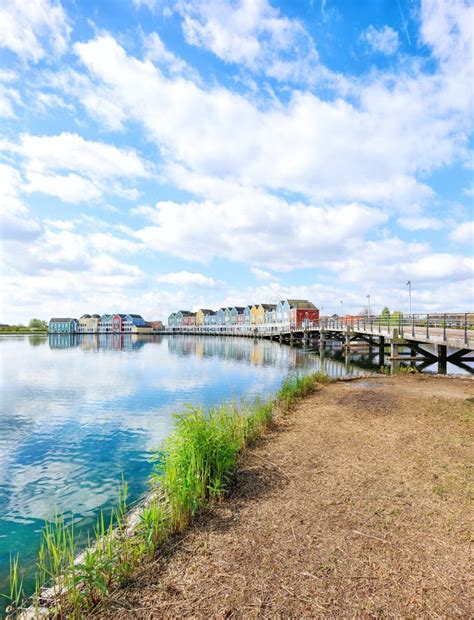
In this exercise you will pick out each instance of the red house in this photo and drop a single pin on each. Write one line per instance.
(302, 313)
(117, 322)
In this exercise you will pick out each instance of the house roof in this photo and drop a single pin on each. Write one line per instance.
(301, 303)
(95, 316)
(239, 309)
(120, 315)
(186, 312)
(268, 306)
(86, 316)
(136, 316)
(206, 311)
(55, 320)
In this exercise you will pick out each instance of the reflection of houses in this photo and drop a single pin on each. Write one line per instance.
(63, 326)
(62, 340)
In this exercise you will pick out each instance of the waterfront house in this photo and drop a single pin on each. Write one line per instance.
(172, 319)
(92, 324)
(63, 326)
(210, 318)
(117, 323)
(220, 318)
(134, 323)
(254, 314)
(189, 318)
(105, 324)
(82, 323)
(180, 316)
(234, 314)
(262, 309)
(296, 312)
(201, 313)
(248, 315)
(156, 325)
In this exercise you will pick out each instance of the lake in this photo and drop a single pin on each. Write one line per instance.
(78, 412)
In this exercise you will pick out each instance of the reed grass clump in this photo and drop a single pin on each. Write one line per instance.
(194, 465)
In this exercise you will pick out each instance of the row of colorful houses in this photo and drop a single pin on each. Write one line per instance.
(103, 324)
(293, 312)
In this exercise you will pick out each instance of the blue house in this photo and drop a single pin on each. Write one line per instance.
(220, 316)
(63, 326)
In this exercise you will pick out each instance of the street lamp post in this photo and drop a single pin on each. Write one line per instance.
(409, 293)
(368, 305)
(342, 308)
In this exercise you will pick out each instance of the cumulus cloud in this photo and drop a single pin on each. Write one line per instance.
(261, 274)
(34, 29)
(383, 40)
(420, 223)
(265, 231)
(463, 233)
(255, 35)
(74, 169)
(187, 278)
(376, 149)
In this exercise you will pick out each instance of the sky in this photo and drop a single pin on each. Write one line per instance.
(159, 155)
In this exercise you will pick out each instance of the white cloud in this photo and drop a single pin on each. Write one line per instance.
(187, 278)
(339, 151)
(420, 223)
(156, 51)
(33, 29)
(253, 34)
(89, 168)
(463, 233)
(383, 40)
(261, 274)
(257, 228)
(16, 221)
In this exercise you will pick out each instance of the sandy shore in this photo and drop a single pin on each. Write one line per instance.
(357, 504)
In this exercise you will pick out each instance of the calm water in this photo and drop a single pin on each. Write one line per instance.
(77, 412)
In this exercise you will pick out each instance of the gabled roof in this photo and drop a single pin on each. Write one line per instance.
(95, 316)
(239, 309)
(135, 316)
(120, 315)
(186, 312)
(301, 303)
(206, 311)
(268, 306)
(86, 316)
(61, 320)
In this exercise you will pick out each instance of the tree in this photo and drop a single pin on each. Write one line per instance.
(385, 316)
(397, 316)
(37, 324)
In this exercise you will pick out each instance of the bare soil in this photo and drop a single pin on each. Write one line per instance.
(356, 505)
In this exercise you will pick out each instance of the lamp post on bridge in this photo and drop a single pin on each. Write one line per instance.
(342, 308)
(409, 293)
(368, 305)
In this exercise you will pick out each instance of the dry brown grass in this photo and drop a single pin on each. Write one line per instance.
(355, 505)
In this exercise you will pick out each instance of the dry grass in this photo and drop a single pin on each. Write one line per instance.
(355, 505)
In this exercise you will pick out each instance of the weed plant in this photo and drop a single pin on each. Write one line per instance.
(194, 465)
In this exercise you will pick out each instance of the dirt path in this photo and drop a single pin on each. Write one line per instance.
(356, 505)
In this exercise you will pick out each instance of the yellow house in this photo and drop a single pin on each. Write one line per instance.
(200, 314)
(254, 314)
(92, 324)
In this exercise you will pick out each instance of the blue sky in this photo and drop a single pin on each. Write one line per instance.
(159, 155)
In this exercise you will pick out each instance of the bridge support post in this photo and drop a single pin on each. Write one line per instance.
(442, 351)
(381, 350)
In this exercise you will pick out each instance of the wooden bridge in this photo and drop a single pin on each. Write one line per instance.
(417, 338)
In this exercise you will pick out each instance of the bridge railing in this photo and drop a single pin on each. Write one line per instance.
(406, 324)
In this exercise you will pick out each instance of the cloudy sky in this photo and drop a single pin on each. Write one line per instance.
(156, 155)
